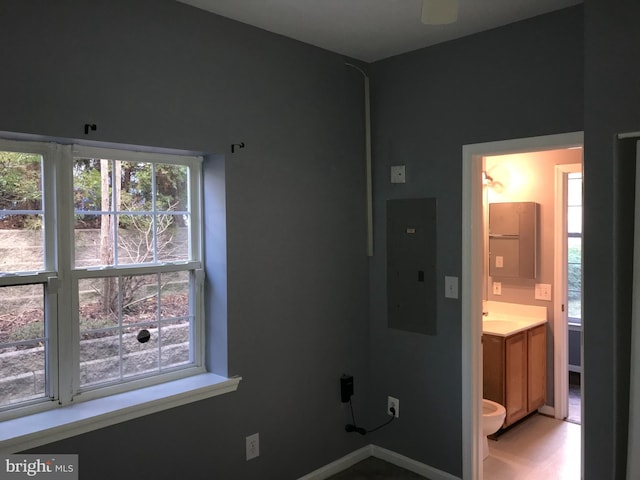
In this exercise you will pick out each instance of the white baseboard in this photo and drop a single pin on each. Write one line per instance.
(383, 454)
(547, 410)
(339, 465)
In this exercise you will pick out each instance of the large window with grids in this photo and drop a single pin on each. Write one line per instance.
(100, 272)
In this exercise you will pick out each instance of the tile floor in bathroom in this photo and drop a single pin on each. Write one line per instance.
(538, 448)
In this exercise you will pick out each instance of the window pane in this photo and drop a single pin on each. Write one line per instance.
(99, 330)
(93, 238)
(574, 220)
(140, 350)
(21, 243)
(574, 245)
(136, 190)
(21, 213)
(176, 322)
(100, 357)
(171, 188)
(113, 310)
(174, 296)
(173, 238)
(152, 226)
(175, 335)
(574, 187)
(98, 302)
(136, 242)
(140, 311)
(574, 310)
(139, 298)
(92, 184)
(20, 181)
(575, 276)
(134, 325)
(23, 344)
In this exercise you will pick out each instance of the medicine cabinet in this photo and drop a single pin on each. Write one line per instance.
(513, 239)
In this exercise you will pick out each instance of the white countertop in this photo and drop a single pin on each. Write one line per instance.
(506, 319)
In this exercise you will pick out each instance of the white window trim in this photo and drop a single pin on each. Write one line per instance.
(63, 422)
(49, 421)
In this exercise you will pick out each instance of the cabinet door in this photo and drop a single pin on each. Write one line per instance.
(493, 368)
(537, 370)
(516, 377)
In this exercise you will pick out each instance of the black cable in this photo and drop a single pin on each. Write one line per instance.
(393, 417)
(353, 418)
(352, 427)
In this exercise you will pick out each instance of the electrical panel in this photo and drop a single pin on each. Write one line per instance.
(411, 265)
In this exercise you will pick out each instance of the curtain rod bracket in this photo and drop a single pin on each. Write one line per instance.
(234, 145)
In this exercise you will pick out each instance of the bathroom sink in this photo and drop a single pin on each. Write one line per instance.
(505, 319)
(508, 327)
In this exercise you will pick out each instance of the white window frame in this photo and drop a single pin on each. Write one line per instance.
(573, 324)
(70, 410)
(193, 264)
(48, 276)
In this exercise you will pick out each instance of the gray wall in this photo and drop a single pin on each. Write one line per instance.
(612, 96)
(518, 81)
(160, 73)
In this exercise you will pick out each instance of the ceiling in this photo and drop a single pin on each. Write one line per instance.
(371, 30)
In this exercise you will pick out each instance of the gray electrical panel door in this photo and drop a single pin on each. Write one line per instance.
(411, 265)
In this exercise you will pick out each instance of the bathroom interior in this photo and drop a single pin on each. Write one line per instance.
(527, 250)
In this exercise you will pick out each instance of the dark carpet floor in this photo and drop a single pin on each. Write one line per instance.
(375, 469)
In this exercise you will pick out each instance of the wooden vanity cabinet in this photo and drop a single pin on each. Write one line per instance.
(514, 371)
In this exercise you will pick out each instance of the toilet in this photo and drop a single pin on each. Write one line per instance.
(492, 419)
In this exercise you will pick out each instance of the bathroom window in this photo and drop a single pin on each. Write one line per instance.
(574, 248)
(100, 272)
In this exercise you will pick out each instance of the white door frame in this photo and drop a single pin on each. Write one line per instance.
(472, 265)
(560, 314)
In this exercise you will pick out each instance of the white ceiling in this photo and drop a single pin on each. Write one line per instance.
(371, 30)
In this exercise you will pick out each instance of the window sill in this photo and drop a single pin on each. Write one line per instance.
(56, 424)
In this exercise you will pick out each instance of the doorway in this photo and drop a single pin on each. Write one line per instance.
(472, 275)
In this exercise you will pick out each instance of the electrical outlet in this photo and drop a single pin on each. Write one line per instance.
(253, 446)
(451, 287)
(398, 174)
(542, 291)
(395, 404)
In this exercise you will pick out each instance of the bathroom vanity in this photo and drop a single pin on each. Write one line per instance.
(514, 361)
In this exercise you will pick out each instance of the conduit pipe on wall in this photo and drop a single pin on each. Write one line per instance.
(367, 149)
